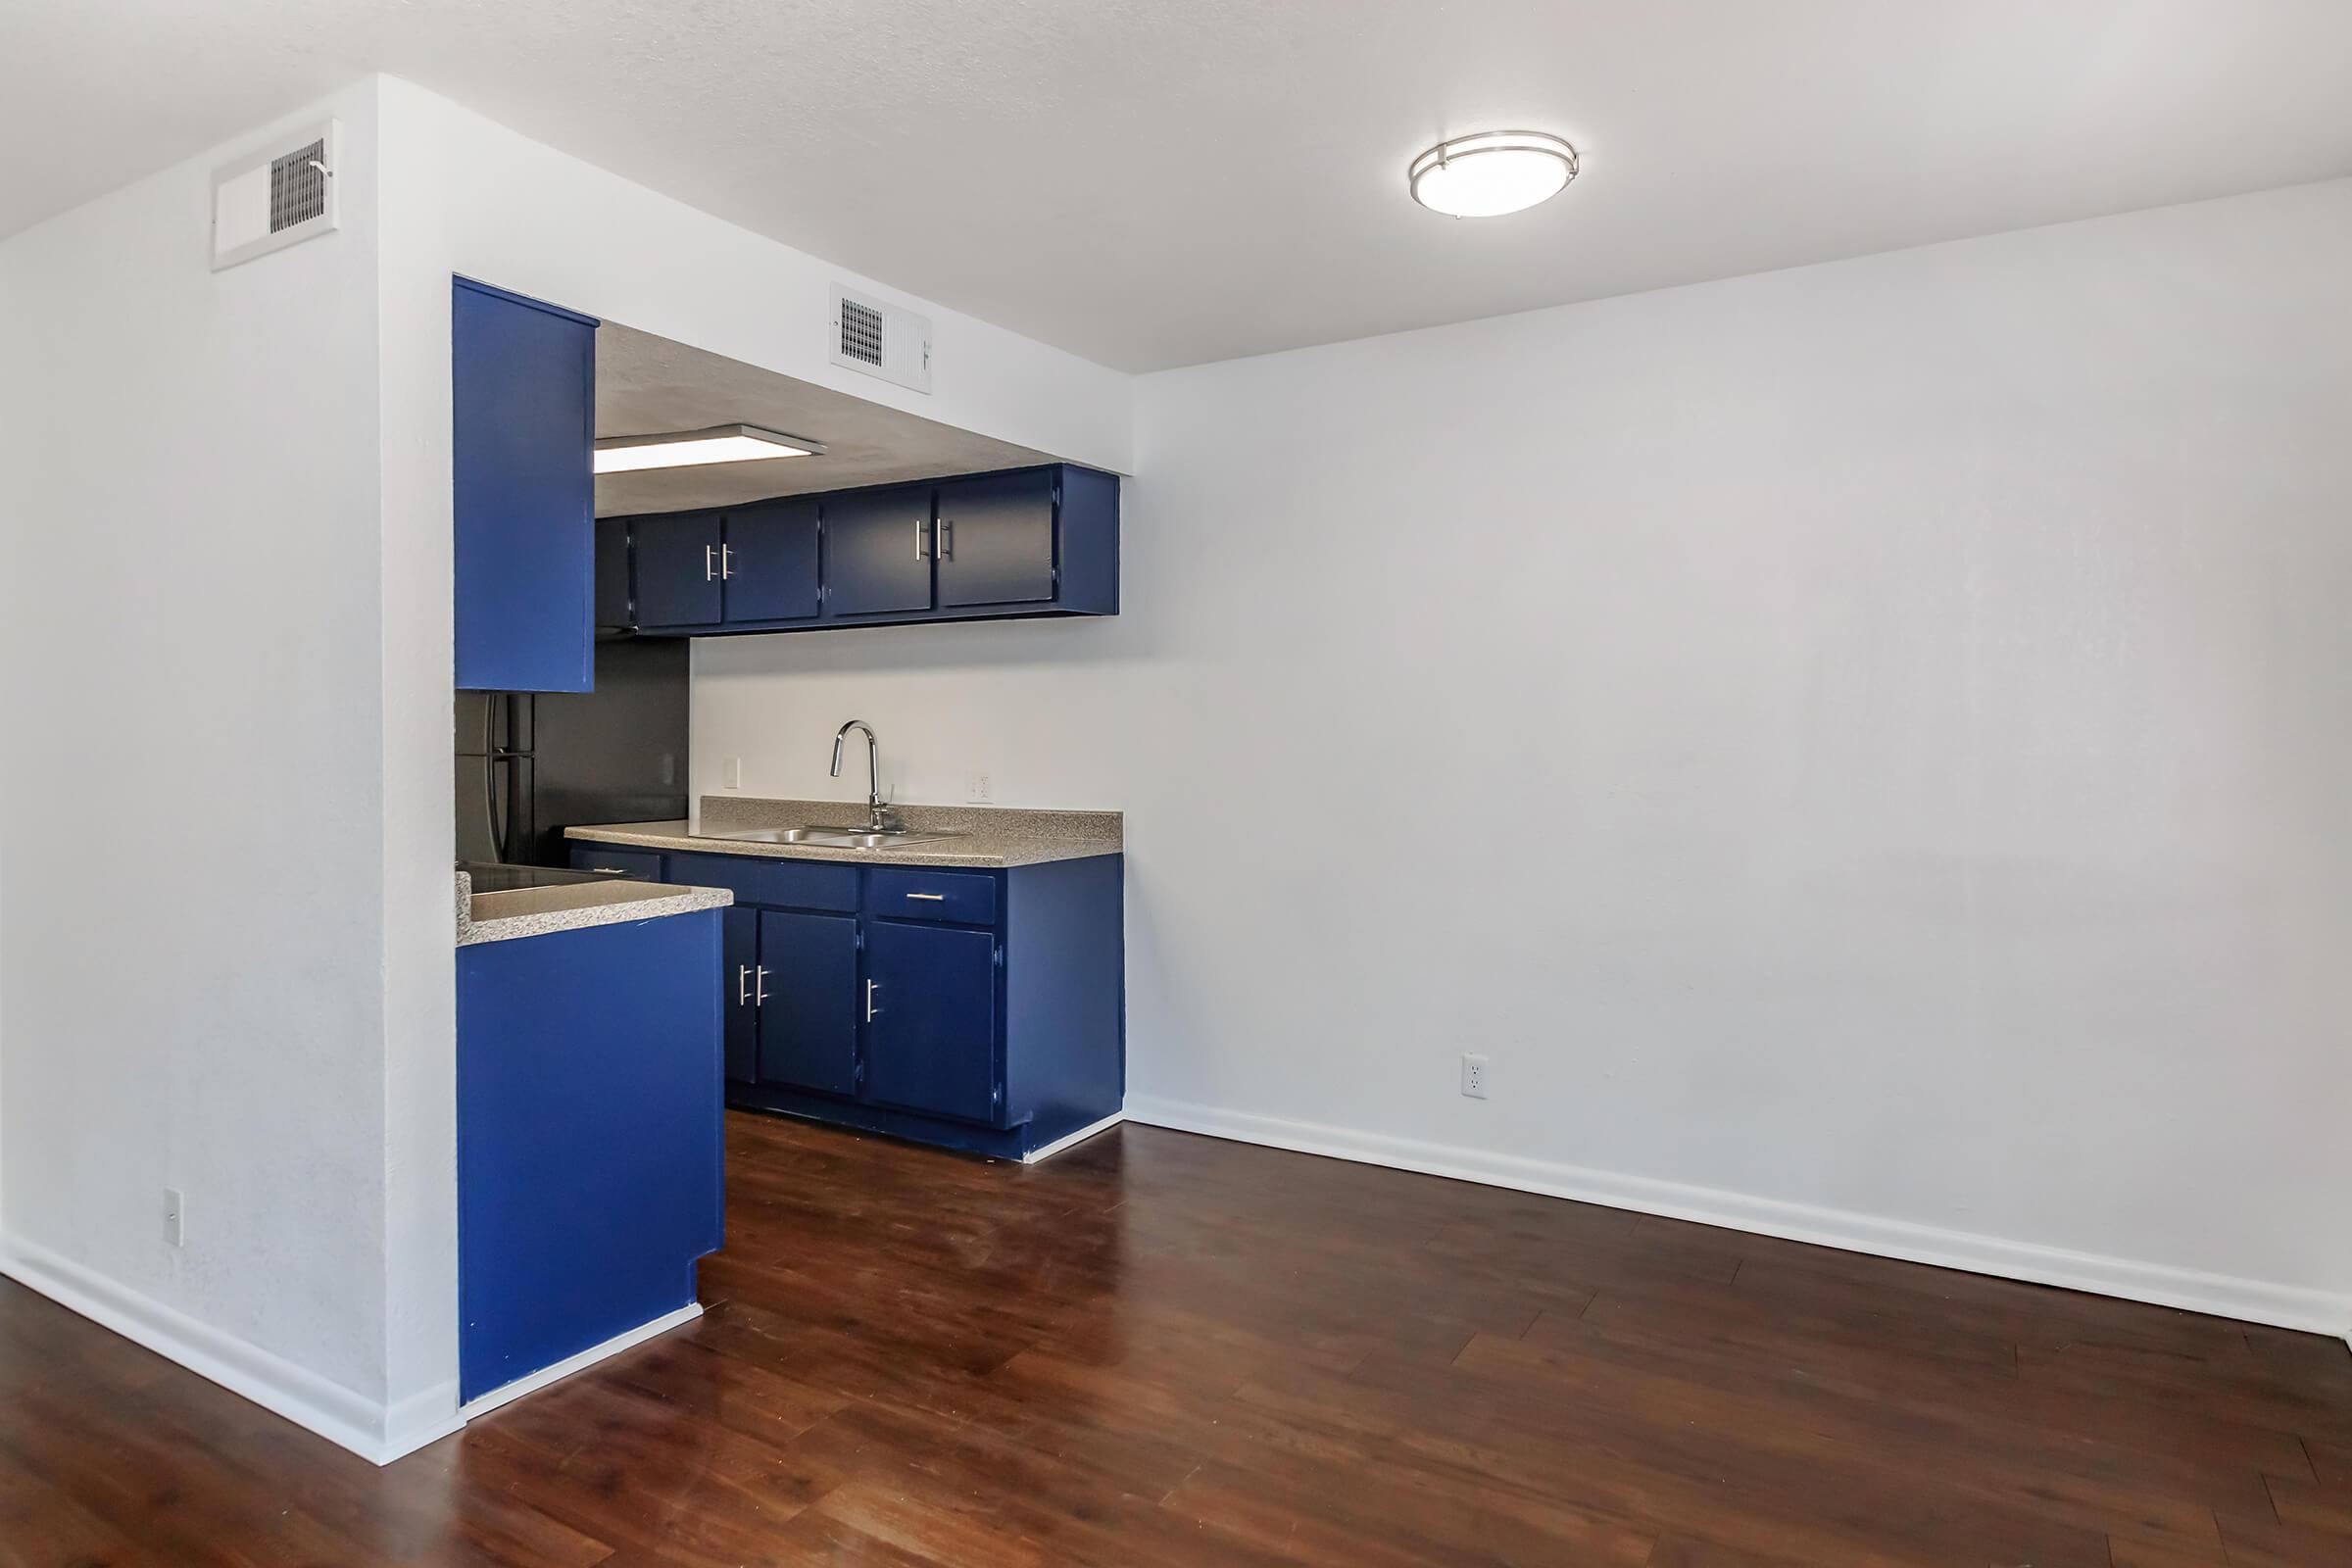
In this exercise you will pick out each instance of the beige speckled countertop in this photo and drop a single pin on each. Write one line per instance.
(982, 836)
(505, 915)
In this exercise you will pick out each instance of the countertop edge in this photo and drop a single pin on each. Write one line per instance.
(513, 927)
(912, 855)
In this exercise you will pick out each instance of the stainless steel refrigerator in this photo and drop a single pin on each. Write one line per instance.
(531, 764)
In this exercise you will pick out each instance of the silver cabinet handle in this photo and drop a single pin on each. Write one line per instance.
(726, 562)
(870, 1009)
(922, 526)
(710, 562)
(761, 997)
(947, 538)
(929, 898)
(609, 870)
(743, 985)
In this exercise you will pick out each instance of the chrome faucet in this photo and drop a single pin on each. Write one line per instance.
(878, 817)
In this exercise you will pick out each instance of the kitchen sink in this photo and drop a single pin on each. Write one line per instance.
(831, 838)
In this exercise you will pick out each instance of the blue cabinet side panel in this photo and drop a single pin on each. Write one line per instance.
(1089, 541)
(1065, 992)
(589, 1144)
(523, 406)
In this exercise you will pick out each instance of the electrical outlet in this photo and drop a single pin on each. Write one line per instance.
(730, 772)
(1474, 1076)
(975, 789)
(176, 1216)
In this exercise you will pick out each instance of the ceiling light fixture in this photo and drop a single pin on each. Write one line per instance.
(1493, 173)
(722, 443)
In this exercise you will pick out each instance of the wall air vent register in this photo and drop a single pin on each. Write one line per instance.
(276, 197)
(878, 339)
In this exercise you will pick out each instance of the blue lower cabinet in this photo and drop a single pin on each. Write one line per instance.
(808, 979)
(931, 1020)
(589, 1146)
(741, 982)
(984, 1010)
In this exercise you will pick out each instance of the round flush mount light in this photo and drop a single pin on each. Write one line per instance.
(1490, 174)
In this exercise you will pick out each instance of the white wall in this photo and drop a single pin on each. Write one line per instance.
(191, 928)
(1864, 749)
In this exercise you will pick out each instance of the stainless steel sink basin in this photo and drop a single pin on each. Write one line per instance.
(831, 838)
(775, 835)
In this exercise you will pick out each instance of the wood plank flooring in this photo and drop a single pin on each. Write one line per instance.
(1160, 1349)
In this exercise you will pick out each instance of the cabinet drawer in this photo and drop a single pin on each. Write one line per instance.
(752, 879)
(643, 864)
(907, 892)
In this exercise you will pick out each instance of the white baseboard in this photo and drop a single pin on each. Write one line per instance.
(2223, 1296)
(347, 1419)
(533, 1383)
(1078, 1137)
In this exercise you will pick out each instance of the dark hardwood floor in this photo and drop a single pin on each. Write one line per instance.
(1160, 1349)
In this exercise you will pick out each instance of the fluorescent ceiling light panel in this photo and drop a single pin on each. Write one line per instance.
(681, 449)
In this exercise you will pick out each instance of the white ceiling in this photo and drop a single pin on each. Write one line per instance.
(649, 385)
(1158, 182)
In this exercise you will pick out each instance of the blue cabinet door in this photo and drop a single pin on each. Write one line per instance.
(769, 563)
(613, 606)
(677, 569)
(808, 972)
(877, 552)
(996, 540)
(522, 402)
(931, 1030)
(740, 983)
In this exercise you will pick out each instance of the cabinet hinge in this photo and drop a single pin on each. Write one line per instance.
(999, 957)
(860, 939)
(1056, 571)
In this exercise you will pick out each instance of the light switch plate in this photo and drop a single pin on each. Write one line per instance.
(730, 772)
(975, 789)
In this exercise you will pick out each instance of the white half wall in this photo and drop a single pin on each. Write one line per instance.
(1864, 749)
(191, 932)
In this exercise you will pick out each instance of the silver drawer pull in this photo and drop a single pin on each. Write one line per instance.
(870, 1010)
(710, 562)
(609, 870)
(930, 898)
(743, 985)
(761, 1000)
(922, 526)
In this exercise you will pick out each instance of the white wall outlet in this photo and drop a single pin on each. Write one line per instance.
(730, 772)
(1474, 1076)
(176, 1217)
(975, 789)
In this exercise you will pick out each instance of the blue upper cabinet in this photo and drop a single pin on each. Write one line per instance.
(768, 561)
(877, 552)
(996, 540)
(1029, 542)
(677, 569)
(522, 397)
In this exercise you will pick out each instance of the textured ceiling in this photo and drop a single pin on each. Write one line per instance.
(647, 385)
(1160, 183)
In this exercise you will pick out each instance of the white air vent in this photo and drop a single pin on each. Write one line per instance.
(881, 340)
(277, 197)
